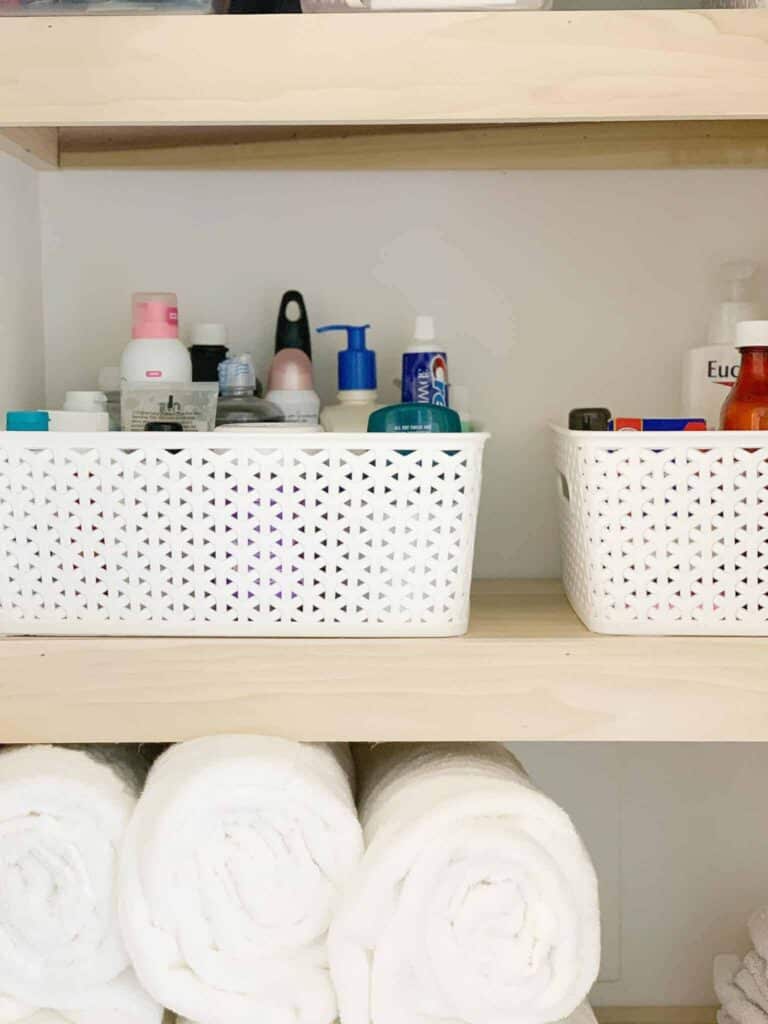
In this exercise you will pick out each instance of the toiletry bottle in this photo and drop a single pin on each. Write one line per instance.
(460, 402)
(711, 369)
(590, 418)
(26, 419)
(357, 383)
(155, 353)
(746, 406)
(425, 366)
(237, 399)
(208, 348)
(109, 383)
(85, 401)
(414, 418)
(291, 387)
(293, 332)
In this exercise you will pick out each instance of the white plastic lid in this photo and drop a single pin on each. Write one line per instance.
(266, 428)
(209, 334)
(752, 334)
(424, 329)
(109, 378)
(85, 401)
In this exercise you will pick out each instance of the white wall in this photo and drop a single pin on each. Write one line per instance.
(689, 864)
(553, 289)
(21, 316)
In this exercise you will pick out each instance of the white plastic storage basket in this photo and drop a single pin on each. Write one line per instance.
(230, 535)
(665, 533)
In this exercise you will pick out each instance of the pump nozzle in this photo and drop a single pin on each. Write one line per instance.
(357, 364)
(737, 277)
(736, 305)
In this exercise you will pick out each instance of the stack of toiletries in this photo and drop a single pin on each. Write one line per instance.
(207, 386)
(725, 382)
(252, 885)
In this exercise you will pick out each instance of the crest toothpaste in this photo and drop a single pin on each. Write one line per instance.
(425, 367)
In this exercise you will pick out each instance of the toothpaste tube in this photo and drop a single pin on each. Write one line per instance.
(629, 423)
(425, 378)
(425, 367)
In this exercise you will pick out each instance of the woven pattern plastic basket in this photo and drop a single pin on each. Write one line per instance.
(295, 535)
(665, 533)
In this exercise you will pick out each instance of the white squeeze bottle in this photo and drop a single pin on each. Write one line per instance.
(710, 370)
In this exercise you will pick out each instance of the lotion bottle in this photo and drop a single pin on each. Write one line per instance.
(155, 352)
(357, 396)
(711, 370)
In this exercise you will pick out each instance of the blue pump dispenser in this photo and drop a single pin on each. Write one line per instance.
(357, 364)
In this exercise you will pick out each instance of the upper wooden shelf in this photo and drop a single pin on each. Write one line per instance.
(220, 91)
(528, 670)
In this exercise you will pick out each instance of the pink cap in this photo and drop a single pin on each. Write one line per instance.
(155, 315)
(291, 370)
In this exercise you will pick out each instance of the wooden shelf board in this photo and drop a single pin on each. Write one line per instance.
(622, 1015)
(385, 69)
(601, 145)
(527, 670)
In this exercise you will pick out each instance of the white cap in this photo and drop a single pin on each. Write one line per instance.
(752, 334)
(109, 378)
(424, 330)
(209, 334)
(85, 401)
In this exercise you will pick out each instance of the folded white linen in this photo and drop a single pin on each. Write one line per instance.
(230, 874)
(122, 1001)
(63, 815)
(741, 985)
(475, 900)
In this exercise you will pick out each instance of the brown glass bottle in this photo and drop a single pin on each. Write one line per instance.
(746, 407)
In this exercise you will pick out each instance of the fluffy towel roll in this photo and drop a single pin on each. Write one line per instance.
(123, 1001)
(475, 900)
(63, 815)
(230, 874)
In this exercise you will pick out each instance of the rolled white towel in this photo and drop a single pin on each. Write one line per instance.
(123, 1001)
(230, 875)
(475, 900)
(63, 815)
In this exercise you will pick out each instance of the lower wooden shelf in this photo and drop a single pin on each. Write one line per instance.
(527, 670)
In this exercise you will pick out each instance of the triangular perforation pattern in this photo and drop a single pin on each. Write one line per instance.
(268, 538)
(665, 538)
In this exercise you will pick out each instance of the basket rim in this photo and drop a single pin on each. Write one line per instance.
(725, 439)
(220, 441)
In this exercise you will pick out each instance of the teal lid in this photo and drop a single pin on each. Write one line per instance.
(414, 418)
(26, 419)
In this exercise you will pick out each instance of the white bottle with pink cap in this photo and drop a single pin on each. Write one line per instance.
(155, 354)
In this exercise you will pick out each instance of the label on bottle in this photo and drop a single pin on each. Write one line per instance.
(425, 378)
(710, 373)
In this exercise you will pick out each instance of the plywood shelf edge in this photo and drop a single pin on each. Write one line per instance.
(398, 69)
(527, 670)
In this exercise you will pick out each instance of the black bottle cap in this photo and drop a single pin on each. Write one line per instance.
(589, 419)
(205, 361)
(293, 333)
(162, 425)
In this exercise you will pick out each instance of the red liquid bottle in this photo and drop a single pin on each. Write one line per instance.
(746, 407)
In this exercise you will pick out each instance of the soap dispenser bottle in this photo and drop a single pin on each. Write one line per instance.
(357, 397)
(711, 370)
